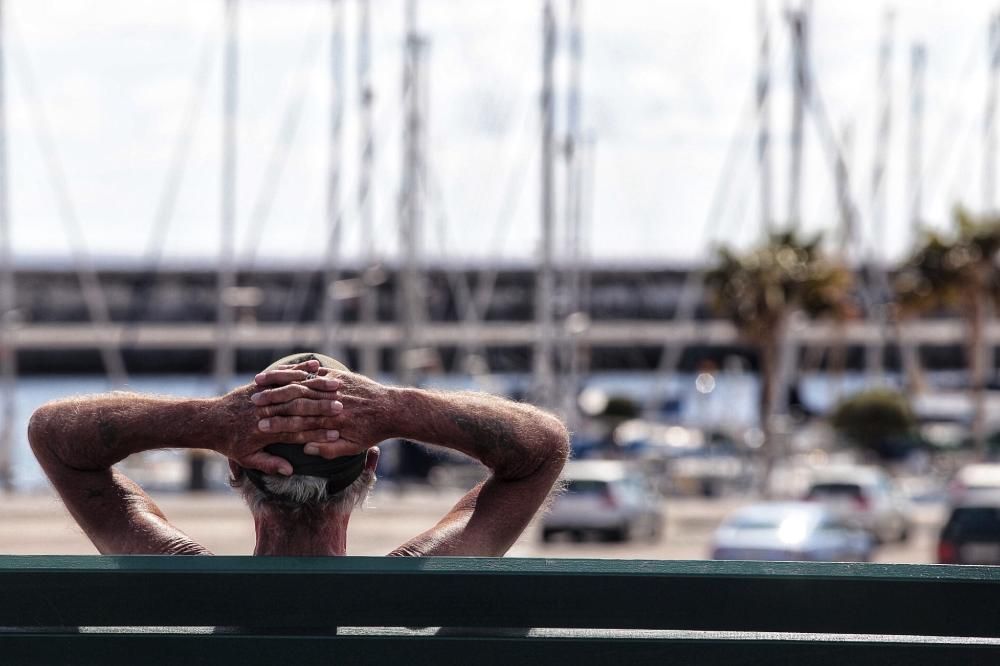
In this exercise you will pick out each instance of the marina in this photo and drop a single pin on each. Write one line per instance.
(735, 356)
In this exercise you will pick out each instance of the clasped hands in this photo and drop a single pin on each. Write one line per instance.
(305, 404)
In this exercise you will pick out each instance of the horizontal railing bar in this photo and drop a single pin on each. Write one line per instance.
(484, 592)
(170, 649)
(647, 332)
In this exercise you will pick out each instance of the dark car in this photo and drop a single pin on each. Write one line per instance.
(972, 533)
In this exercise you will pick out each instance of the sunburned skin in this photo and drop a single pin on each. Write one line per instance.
(331, 413)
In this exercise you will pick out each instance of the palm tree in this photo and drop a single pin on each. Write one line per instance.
(760, 290)
(958, 272)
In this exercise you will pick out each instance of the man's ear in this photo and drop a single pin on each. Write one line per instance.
(371, 459)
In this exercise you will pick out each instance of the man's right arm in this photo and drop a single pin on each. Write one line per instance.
(524, 448)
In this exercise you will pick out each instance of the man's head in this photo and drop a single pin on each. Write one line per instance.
(317, 485)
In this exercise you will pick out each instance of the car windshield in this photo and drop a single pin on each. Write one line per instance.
(586, 487)
(756, 522)
(821, 490)
(976, 519)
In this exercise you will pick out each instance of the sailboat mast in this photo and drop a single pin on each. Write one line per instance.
(918, 66)
(875, 351)
(330, 310)
(545, 285)
(764, 118)
(369, 363)
(798, 20)
(8, 352)
(410, 283)
(989, 120)
(576, 321)
(225, 355)
(883, 133)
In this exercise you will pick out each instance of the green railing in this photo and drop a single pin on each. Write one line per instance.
(192, 610)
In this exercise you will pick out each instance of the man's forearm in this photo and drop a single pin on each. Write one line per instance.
(95, 432)
(512, 439)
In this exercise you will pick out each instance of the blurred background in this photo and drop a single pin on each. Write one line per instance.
(748, 251)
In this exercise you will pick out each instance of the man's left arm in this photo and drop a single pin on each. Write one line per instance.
(78, 440)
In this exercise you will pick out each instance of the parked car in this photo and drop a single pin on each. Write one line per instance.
(803, 531)
(972, 533)
(973, 480)
(865, 496)
(609, 498)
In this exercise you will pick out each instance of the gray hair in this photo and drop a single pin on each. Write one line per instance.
(300, 491)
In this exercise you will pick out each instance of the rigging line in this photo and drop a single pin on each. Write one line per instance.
(945, 145)
(474, 308)
(513, 192)
(163, 215)
(296, 301)
(508, 204)
(522, 115)
(511, 199)
(330, 311)
(458, 280)
(92, 291)
(277, 159)
(862, 99)
(959, 168)
(487, 279)
(693, 287)
(835, 152)
(741, 208)
(944, 152)
(8, 297)
(166, 204)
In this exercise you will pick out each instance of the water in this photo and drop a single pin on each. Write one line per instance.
(731, 404)
(33, 392)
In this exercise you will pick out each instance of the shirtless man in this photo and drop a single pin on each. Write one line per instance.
(301, 442)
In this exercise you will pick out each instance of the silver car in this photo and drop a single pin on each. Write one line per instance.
(865, 496)
(608, 498)
(790, 531)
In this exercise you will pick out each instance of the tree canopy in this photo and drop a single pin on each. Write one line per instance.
(759, 289)
(878, 420)
(949, 271)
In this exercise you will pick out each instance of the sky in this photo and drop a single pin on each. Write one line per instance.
(99, 93)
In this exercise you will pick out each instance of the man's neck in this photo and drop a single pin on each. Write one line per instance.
(281, 533)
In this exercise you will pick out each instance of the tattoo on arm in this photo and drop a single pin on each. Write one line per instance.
(492, 434)
(495, 439)
(108, 433)
(513, 439)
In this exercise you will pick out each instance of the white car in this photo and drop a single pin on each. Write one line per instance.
(974, 480)
(605, 497)
(864, 496)
(790, 531)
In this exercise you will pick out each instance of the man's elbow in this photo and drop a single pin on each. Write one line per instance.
(557, 448)
(560, 441)
(41, 429)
